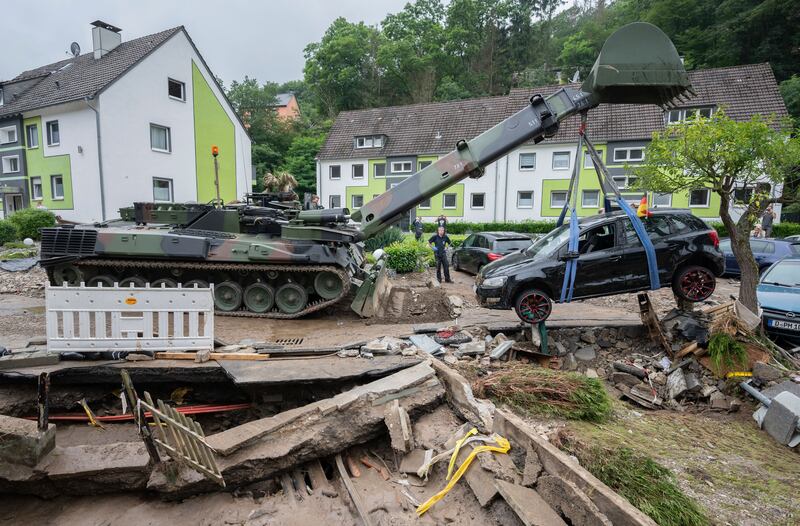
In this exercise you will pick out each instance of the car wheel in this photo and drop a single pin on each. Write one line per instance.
(455, 262)
(533, 306)
(694, 283)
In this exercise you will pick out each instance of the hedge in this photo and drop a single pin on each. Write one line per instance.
(780, 230)
(30, 220)
(526, 227)
(8, 232)
(384, 239)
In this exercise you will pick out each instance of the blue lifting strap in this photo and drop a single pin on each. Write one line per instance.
(571, 268)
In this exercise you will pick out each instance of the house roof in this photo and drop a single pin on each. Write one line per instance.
(82, 76)
(284, 99)
(434, 128)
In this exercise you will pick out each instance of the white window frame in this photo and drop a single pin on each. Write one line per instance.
(472, 200)
(615, 179)
(28, 128)
(37, 181)
(583, 198)
(169, 138)
(171, 190)
(330, 201)
(587, 159)
(519, 195)
(53, 194)
(353, 171)
(375, 170)
(527, 168)
(708, 197)
(49, 132)
(656, 196)
(552, 202)
(183, 89)
(330, 172)
(353, 201)
(423, 206)
(7, 164)
(627, 151)
(5, 134)
(558, 154)
(402, 169)
(683, 114)
(444, 201)
(369, 141)
(423, 164)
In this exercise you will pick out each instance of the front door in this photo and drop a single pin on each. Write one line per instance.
(634, 262)
(12, 203)
(600, 253)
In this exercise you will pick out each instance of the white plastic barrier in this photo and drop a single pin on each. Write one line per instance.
(82, 319)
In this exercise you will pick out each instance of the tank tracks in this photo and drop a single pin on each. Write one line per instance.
(236, 267)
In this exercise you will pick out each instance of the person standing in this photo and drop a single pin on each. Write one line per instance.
(442, 222)
(439, 242)
(766, 221)
(418, 228)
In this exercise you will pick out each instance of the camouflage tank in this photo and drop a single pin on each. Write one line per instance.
(269, 258)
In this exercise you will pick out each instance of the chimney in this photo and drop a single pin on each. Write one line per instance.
(105, 37)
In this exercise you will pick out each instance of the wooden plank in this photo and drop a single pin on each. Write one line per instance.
(529, 506)
(692, 347)
(362, 511)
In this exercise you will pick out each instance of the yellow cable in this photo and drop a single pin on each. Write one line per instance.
(453, 458)
(502, 447)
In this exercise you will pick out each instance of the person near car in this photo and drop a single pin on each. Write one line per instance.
(757, 231)
(439, 242)
(418, 228)
(442, 221)
(766, 221)
(314, 203)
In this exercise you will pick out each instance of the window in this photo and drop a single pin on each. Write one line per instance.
(335, 171)
(176, 89)
(527, 161)
(36, 188)
(662, 199)
(162, 189)
(425, 204)
(525, 199)
(335, 201)
(32, 135)
(160, 140)
(8, 134)
(628, 154)
(558, 198)
(590, 199)
(53, 134)
(621, 181)
(477, 200)
(561, 161)
(685, 114)
(699, 197)
(379, 170)
(402, 167)
(57, 186)
(423, 164)
(371, 141)
(449, 201)
(358, 171)
(356, 201)
(11, 164)
(596, 239)
(587, 159)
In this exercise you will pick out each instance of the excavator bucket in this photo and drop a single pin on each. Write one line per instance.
(638, 65)
(373, 293)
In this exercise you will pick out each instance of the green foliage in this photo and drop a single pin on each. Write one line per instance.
(8, 232)
(526, 227)
(784, 229)
(12, 244)
(30, 220)
(725, 351)
(790, 91)
(384, 239)
(402, 257)
(300, 161)
(721, 229)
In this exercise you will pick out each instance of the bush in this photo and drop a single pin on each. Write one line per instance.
(402, 257)
(781, 230)
(8, 232)
(525, 227)
(30, 220)
(720, 228)
(384, 239)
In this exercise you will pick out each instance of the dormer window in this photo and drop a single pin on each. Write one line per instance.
(369, 141)
(684, 114)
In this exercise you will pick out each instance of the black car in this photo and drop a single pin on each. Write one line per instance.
(479, 249)
(611, 260)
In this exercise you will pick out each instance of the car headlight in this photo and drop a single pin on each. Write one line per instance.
(494, 283)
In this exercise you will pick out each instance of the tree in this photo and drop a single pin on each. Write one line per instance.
(724, 155)
(790, 91)
(301, 162)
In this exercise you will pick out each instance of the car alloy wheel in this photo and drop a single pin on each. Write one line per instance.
(533, 306)
(695, 283)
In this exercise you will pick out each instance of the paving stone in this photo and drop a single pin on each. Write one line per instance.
(585, 354)
(782, 416)
(529, 506)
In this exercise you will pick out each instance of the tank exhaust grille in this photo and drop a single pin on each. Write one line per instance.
(68, 242)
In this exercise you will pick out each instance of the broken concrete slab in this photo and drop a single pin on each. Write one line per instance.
(413, 461)
(399, 425)
(21, 442)
(782, 417)
(568, 499)
(766, 372)
(676, 385)
(529, 506)
(628, 379)
(427, 344)
(501, 349)
(462, 399)
(28, 359)
(533, 467)
(473, 348)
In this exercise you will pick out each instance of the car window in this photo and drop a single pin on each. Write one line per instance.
(785, 273)
(469, 241)
(725, 245)
(769, 248)
(759, 247)
(795, 249)
(655, 226)
(549, 243)
(504, 245)
(596, 239)
(480, 242)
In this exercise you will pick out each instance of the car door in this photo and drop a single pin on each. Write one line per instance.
(634, 262)
(463, 253)
(761, 251)
(480, 251)
(731, 265)
(599, 254)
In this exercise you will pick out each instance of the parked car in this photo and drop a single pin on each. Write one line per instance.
(779, 297)
(794, 239)
(611, 260)
(479, 249)
(765, 251)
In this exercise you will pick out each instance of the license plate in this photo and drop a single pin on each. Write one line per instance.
(780, 324)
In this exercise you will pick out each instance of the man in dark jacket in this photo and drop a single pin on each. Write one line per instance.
(442, 221)
(418, 228)
(439, 242)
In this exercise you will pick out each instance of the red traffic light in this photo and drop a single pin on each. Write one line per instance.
(214, 151)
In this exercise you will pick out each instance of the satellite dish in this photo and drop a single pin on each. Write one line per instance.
(75, 48)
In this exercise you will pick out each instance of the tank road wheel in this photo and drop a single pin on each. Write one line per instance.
(291, 298)
(328, 285)
(136, 281)
(69, 274)
(533, 306)
(167, 283)
(102, 280)
(228, 296)
(259, 297)
(199, 283)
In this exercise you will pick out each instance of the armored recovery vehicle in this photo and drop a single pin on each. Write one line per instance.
(269, 258)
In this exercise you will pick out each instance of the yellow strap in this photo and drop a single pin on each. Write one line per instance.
(90, 414)
(453, 458)
(502, 447)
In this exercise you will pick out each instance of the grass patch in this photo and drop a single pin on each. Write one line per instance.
(15, 244)
(5, 256)
(539, 391)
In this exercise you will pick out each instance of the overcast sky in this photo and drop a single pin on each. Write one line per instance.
(263, 39)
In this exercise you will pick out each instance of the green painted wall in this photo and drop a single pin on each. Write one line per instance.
(212, 126)
(44, 167)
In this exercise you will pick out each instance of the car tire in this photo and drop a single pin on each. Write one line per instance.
(533, 306)
(694, 283)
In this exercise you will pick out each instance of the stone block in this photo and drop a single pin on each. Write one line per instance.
(782, 417)
(21, 442)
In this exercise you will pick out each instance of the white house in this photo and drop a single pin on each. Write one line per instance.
(129, 121)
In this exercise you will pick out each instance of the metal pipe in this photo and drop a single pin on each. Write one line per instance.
(99, 157)
(755, 393)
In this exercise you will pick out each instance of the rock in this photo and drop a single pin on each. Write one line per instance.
(659, 378)
(485, 361)
(585, 354)
(498, 339)
(376, 347)
(472, 348)
(22, 442)
(365, 354)
(676, 385)
(604, 343)
(591, 373)
(433, 284)
(449, 359)
(138, 357)
(569, 364)
(719, 402)
(601, 372)
(399, 425)
(348, 353)
(624, 379)
(766, 372)
(229, 348)
(622, 344)
(693, 385)
(588, 337)
(455, 301)
(202, 356)
(410, 351)
(708, 391)
(533, 468)
(560, 349)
